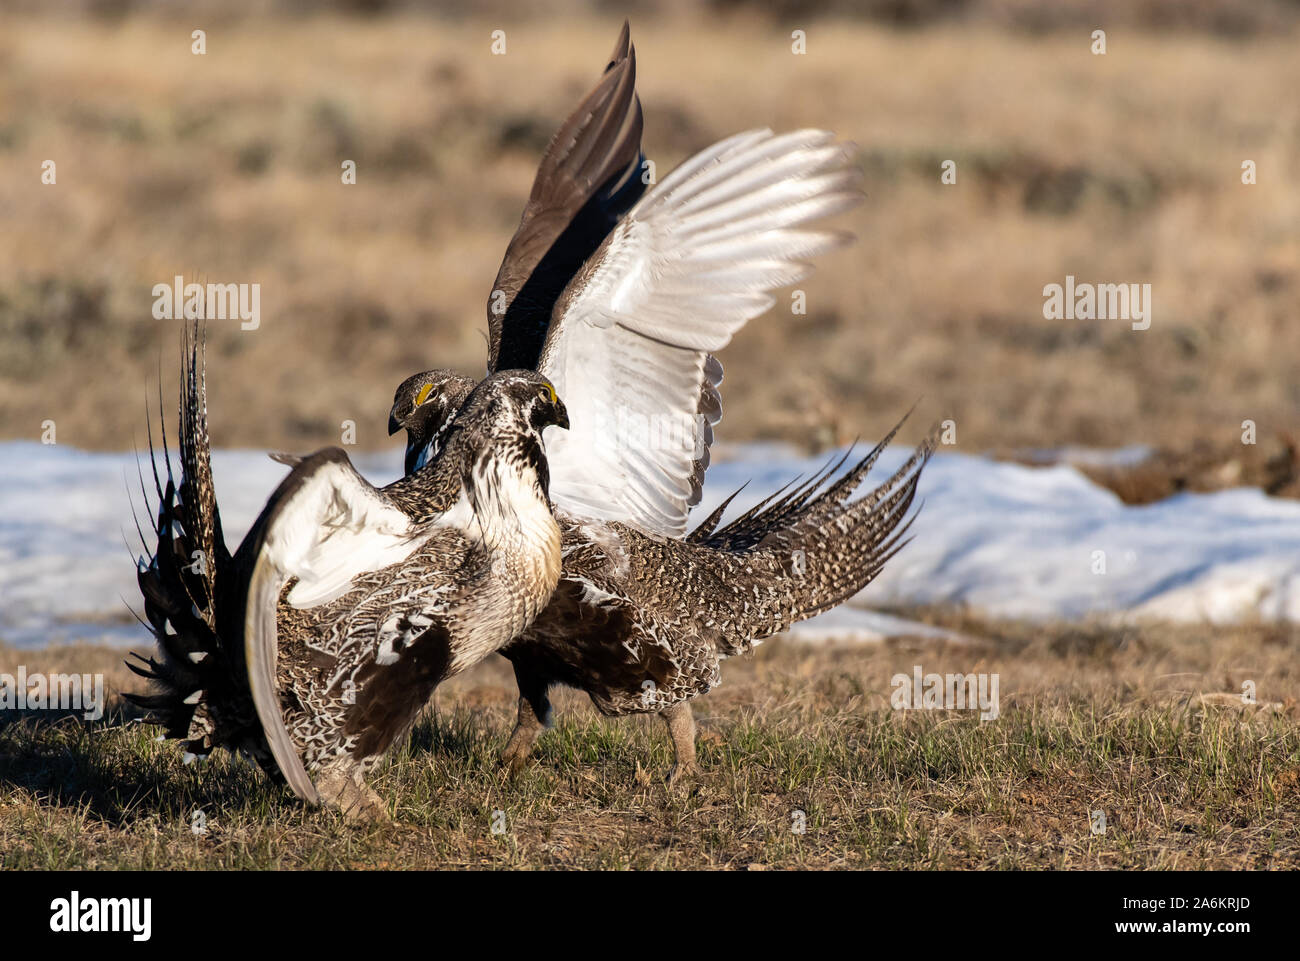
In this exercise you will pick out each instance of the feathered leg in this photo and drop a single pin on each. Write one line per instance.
(534, 716)
(342, 787)
(681, 727)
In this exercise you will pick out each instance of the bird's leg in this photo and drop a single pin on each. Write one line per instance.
(341, 787)
(534, 715)
(681, 727)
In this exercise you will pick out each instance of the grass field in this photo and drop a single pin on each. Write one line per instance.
(1144, 724)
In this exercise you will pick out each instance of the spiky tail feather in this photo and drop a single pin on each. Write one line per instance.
(816, 548)
(199, 686)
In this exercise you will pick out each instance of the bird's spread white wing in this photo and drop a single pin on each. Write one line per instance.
(324, 525)
(630, 341)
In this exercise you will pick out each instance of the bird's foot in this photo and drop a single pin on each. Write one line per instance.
(515, 758)
(518, 752)
(352, 797)
(683, 772)
(367, 807)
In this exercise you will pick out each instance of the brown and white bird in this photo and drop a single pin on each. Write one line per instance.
(317, 643)
(644, 614)
(641, 621)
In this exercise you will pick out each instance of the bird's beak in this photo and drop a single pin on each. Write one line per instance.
(561, 414)
(394, 425)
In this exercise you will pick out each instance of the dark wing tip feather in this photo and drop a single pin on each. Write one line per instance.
(621, 46)
(585, 181)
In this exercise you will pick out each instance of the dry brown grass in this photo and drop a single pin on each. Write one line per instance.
(1144, 723)
(226, 167)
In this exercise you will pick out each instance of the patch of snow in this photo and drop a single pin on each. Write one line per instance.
(848, 622)
(1031, 542)
(1005, 539)
(1095, 457)
(66, 570)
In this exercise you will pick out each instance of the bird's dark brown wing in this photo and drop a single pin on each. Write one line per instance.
(588, 178)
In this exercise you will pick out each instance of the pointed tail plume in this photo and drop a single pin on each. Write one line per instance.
(812, 546)
(199, 689)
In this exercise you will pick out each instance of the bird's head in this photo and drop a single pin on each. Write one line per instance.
(516, 401)
(501, 423)
(422, 406)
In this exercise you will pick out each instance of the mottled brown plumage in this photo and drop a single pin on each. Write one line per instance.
(346, 605)
(641, 621)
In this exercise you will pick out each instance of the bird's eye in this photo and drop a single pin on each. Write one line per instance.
(545, 393)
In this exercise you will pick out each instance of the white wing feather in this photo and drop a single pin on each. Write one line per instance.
(325, 525)
(690, 264)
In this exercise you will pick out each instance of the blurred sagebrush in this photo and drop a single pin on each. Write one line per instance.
(1238, 18)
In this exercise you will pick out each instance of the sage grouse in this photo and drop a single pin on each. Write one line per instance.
(317, 643)
(641, 621)
(621, 300)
